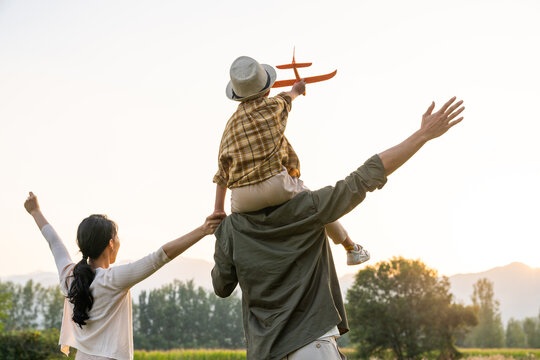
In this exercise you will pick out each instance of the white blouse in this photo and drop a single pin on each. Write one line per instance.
(109, 331)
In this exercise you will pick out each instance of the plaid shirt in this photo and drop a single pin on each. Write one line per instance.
(253, 147)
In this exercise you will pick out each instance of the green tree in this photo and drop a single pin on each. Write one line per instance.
(51, 307)
(178, 315)
(24, 311)
(195, 312)
(31, 306)
(515, 336)
(5, 303)
(531, 327)
(489, 333)
(158, 319)
(226, 328)
(403, 306)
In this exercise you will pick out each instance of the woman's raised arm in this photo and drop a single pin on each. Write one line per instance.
(59, 251)
(32, 206)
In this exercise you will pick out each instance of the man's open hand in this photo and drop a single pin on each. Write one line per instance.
(436, 124)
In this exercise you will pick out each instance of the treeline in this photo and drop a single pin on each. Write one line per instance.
(177, 315)
(30, 306)
(398, 304)
(490, 333)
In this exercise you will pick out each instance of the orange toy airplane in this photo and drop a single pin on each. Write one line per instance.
(294, 65)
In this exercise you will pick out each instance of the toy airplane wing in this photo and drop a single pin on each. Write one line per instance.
(309, 80)
(294, 65)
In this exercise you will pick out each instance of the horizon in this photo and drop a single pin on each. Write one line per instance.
(340, 275)
(516, 290)
(118, 108)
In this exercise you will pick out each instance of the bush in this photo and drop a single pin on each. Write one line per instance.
(30, 345)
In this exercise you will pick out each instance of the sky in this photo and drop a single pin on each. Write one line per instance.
(117, 107)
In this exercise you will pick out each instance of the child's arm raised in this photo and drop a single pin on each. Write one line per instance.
(298, 88)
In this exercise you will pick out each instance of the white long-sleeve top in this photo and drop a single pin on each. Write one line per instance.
(109, 331)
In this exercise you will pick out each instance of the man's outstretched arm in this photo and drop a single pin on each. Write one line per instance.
(335, 201)
(433, 126)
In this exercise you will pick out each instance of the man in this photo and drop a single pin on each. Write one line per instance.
(291, 301)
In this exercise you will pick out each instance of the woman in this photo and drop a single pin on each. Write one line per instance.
(97, 312)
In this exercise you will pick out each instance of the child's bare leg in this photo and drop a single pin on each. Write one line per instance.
(356, 254)
(348, 244)
(338, 234)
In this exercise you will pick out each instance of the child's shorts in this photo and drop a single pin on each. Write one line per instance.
(274, 191)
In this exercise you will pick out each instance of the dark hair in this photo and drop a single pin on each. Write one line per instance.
(93, 236)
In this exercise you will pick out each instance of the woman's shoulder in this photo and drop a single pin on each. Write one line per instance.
(105, 280)
(66, 275)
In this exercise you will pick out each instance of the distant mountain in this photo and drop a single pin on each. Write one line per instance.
(46, 279)
(516, 286)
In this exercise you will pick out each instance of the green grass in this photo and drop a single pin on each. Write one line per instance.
(502, 353)
(219, 354)
(202, 354)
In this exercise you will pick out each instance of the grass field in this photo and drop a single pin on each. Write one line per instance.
(495, 354)
(487, 354)
(202, 354)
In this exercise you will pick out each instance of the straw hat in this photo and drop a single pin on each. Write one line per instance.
(249, 79)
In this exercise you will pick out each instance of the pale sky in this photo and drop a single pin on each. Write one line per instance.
(118, 107)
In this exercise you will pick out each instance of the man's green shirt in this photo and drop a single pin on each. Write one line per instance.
(282, 260)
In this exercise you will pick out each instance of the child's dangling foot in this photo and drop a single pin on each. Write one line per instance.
(356, 254)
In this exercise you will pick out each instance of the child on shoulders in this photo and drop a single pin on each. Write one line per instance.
(256, 161)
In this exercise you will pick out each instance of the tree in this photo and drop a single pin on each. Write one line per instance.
(24, 311)
(515, 336)
(178, 315)
(5, 304)
(52, 307)
(403, 306)
(32, 306)
(531, 328)
(489, 332)
(226, 328)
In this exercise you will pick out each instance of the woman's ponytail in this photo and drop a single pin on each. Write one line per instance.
(93, 236)
(79, 292)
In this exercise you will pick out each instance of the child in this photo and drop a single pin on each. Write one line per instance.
(255, 159)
